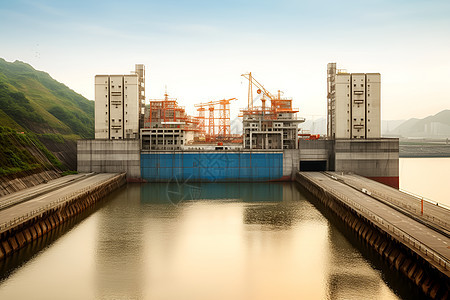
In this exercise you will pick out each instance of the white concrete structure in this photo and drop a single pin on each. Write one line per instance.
(353, 104)
(261, 132)
(118, 108)
(107, 156)
(164, 138)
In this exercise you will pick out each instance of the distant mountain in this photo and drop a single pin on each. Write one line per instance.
(436, 126)
(314, 126)
(46, 111)
(389, 125)
(38, 103)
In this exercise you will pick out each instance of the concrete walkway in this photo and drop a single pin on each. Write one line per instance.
(414, 234)
(44, 195)
(434, 214)
(40, 189)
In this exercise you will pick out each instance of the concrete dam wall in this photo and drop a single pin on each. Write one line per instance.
(375, 158)
(429, 275)
(32, 225)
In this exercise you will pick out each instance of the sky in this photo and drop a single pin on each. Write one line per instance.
(199, 49)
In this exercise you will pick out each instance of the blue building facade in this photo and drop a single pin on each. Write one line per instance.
(211, 166)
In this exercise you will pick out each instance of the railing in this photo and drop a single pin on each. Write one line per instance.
(389, 227)
(6, 225)
(413, 208)
(425, 199)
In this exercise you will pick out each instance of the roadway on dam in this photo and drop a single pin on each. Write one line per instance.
(431, 242)
(34, 200)
(434, 214)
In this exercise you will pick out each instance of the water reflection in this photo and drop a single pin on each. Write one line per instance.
(219, 241)
(174, 193)
(356, 277)
(119, 249)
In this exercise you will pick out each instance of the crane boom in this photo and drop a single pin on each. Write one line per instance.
(261, 89)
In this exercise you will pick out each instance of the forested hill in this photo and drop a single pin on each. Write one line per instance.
(34, 104)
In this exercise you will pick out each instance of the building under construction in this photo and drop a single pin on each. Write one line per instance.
(166, 125)
(176, 147)
(214, 123)
(269, 126)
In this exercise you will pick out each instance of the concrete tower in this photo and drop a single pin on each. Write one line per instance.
(353, 104)
(119, 102)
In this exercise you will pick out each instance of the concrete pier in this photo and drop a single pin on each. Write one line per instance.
(27, 215)
(413, 247)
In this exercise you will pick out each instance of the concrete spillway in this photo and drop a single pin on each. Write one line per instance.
(416, 248)
(27, 215)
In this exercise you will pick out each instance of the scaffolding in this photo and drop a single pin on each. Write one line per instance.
(271, 126)
(166, 113)
(218, 111)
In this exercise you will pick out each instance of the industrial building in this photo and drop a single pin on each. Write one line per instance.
(353, 104)
(166, 125)
(119, 101)
(269, 127)
(166, 144)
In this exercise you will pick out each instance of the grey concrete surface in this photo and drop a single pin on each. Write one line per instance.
(29, 193)
(414, 234)
(25, 208)
(109, 156)
(432, 213)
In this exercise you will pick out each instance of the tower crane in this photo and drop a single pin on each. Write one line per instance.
(224, 117)
(261, 89)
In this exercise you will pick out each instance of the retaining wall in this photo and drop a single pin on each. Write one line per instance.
(26, 229)
(421, 273)
(109, 156)
(17, 182)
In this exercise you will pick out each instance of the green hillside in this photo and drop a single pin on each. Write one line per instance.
(47, 112)
(23, 152)
(41, 104)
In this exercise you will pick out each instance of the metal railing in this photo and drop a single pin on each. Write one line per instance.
(419, 197)
(54, 204)
(389, 227)
(410, 207)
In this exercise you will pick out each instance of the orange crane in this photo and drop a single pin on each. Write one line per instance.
(223, 118)
(261, 89)
(277, 104)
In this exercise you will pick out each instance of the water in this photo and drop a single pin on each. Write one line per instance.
(210, 241)
(427, 177)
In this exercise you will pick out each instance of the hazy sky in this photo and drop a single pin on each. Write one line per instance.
(199, 49)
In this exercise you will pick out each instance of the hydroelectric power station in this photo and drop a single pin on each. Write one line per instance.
(158, 141)
(352, 171)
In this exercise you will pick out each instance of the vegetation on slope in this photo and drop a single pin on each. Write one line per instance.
(23, 152)
(38, 113)
(41, 104)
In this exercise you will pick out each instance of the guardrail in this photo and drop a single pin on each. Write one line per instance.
(425, 199)
(54, 204)
(41, 190)
(391, 228)
(413, 208)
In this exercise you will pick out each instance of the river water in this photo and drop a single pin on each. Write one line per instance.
(427, 177)
(208, 241)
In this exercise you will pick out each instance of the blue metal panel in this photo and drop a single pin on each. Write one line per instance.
(245, 160)
(188, 160)
(245, 173)
(190, 173)
(177, 161)
(166, 161)
(165, 173)
(216, 166)
(178, 173)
